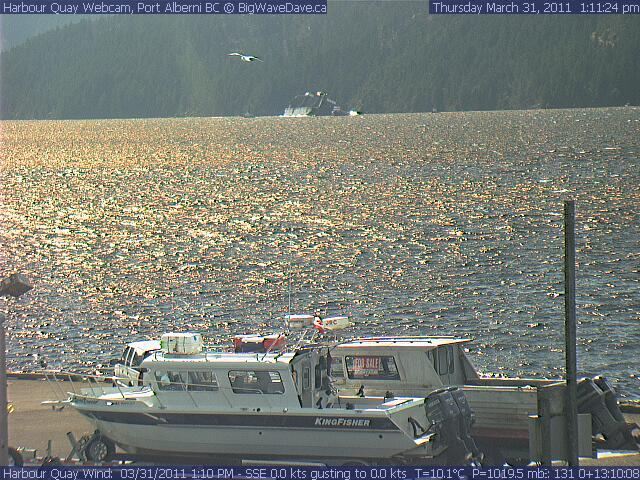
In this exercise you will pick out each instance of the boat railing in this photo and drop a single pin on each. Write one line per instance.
(93, 387)
(63, 383)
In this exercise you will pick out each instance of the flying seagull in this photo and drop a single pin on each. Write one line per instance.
(245, 58)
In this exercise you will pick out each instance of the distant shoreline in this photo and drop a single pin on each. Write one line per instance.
(239, 116)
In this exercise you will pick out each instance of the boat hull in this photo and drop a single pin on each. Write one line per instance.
(319, 434)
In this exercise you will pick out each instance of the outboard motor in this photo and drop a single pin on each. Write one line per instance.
(609, 398)
(606, 418)
(444, 414)
(466, 421)
(632, 431)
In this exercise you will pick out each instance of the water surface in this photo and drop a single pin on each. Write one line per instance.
(447, 223)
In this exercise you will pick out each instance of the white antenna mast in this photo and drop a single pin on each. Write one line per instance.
(289, 311)
(290, 272)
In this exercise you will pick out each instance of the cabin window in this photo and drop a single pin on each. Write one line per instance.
(443, 366)
(131, 357)
(433, 356)
(372, 368)
(136, 359)
(337, 369)
(250, 381)
(171, 380)
(306, 378)
(451, 360)
(202, 381)
(125, 354)
(318, 376)
(192, 381)
(444, 360)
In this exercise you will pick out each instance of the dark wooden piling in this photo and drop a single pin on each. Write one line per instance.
(571, 408)
(4, 422)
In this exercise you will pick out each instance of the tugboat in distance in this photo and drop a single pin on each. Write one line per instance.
(316, 105)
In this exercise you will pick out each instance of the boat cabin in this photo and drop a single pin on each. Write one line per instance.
(401, 364)
(252, 380)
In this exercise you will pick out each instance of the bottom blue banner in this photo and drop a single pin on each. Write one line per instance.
(318, 473)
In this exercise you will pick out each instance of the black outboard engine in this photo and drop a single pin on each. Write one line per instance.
(466, 421)
(444, 414)
(597, 398)
(609, 398)
(631, 431)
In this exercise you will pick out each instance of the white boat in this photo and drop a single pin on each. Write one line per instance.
(268, 405)
(515, 419)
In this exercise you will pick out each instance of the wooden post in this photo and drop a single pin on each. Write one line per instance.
(4, 420)
(571, 403)
(544, 411)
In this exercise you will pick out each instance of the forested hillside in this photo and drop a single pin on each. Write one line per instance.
(15, 29)
(374, 56)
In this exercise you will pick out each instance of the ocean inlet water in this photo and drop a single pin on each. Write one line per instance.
(434, 224)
